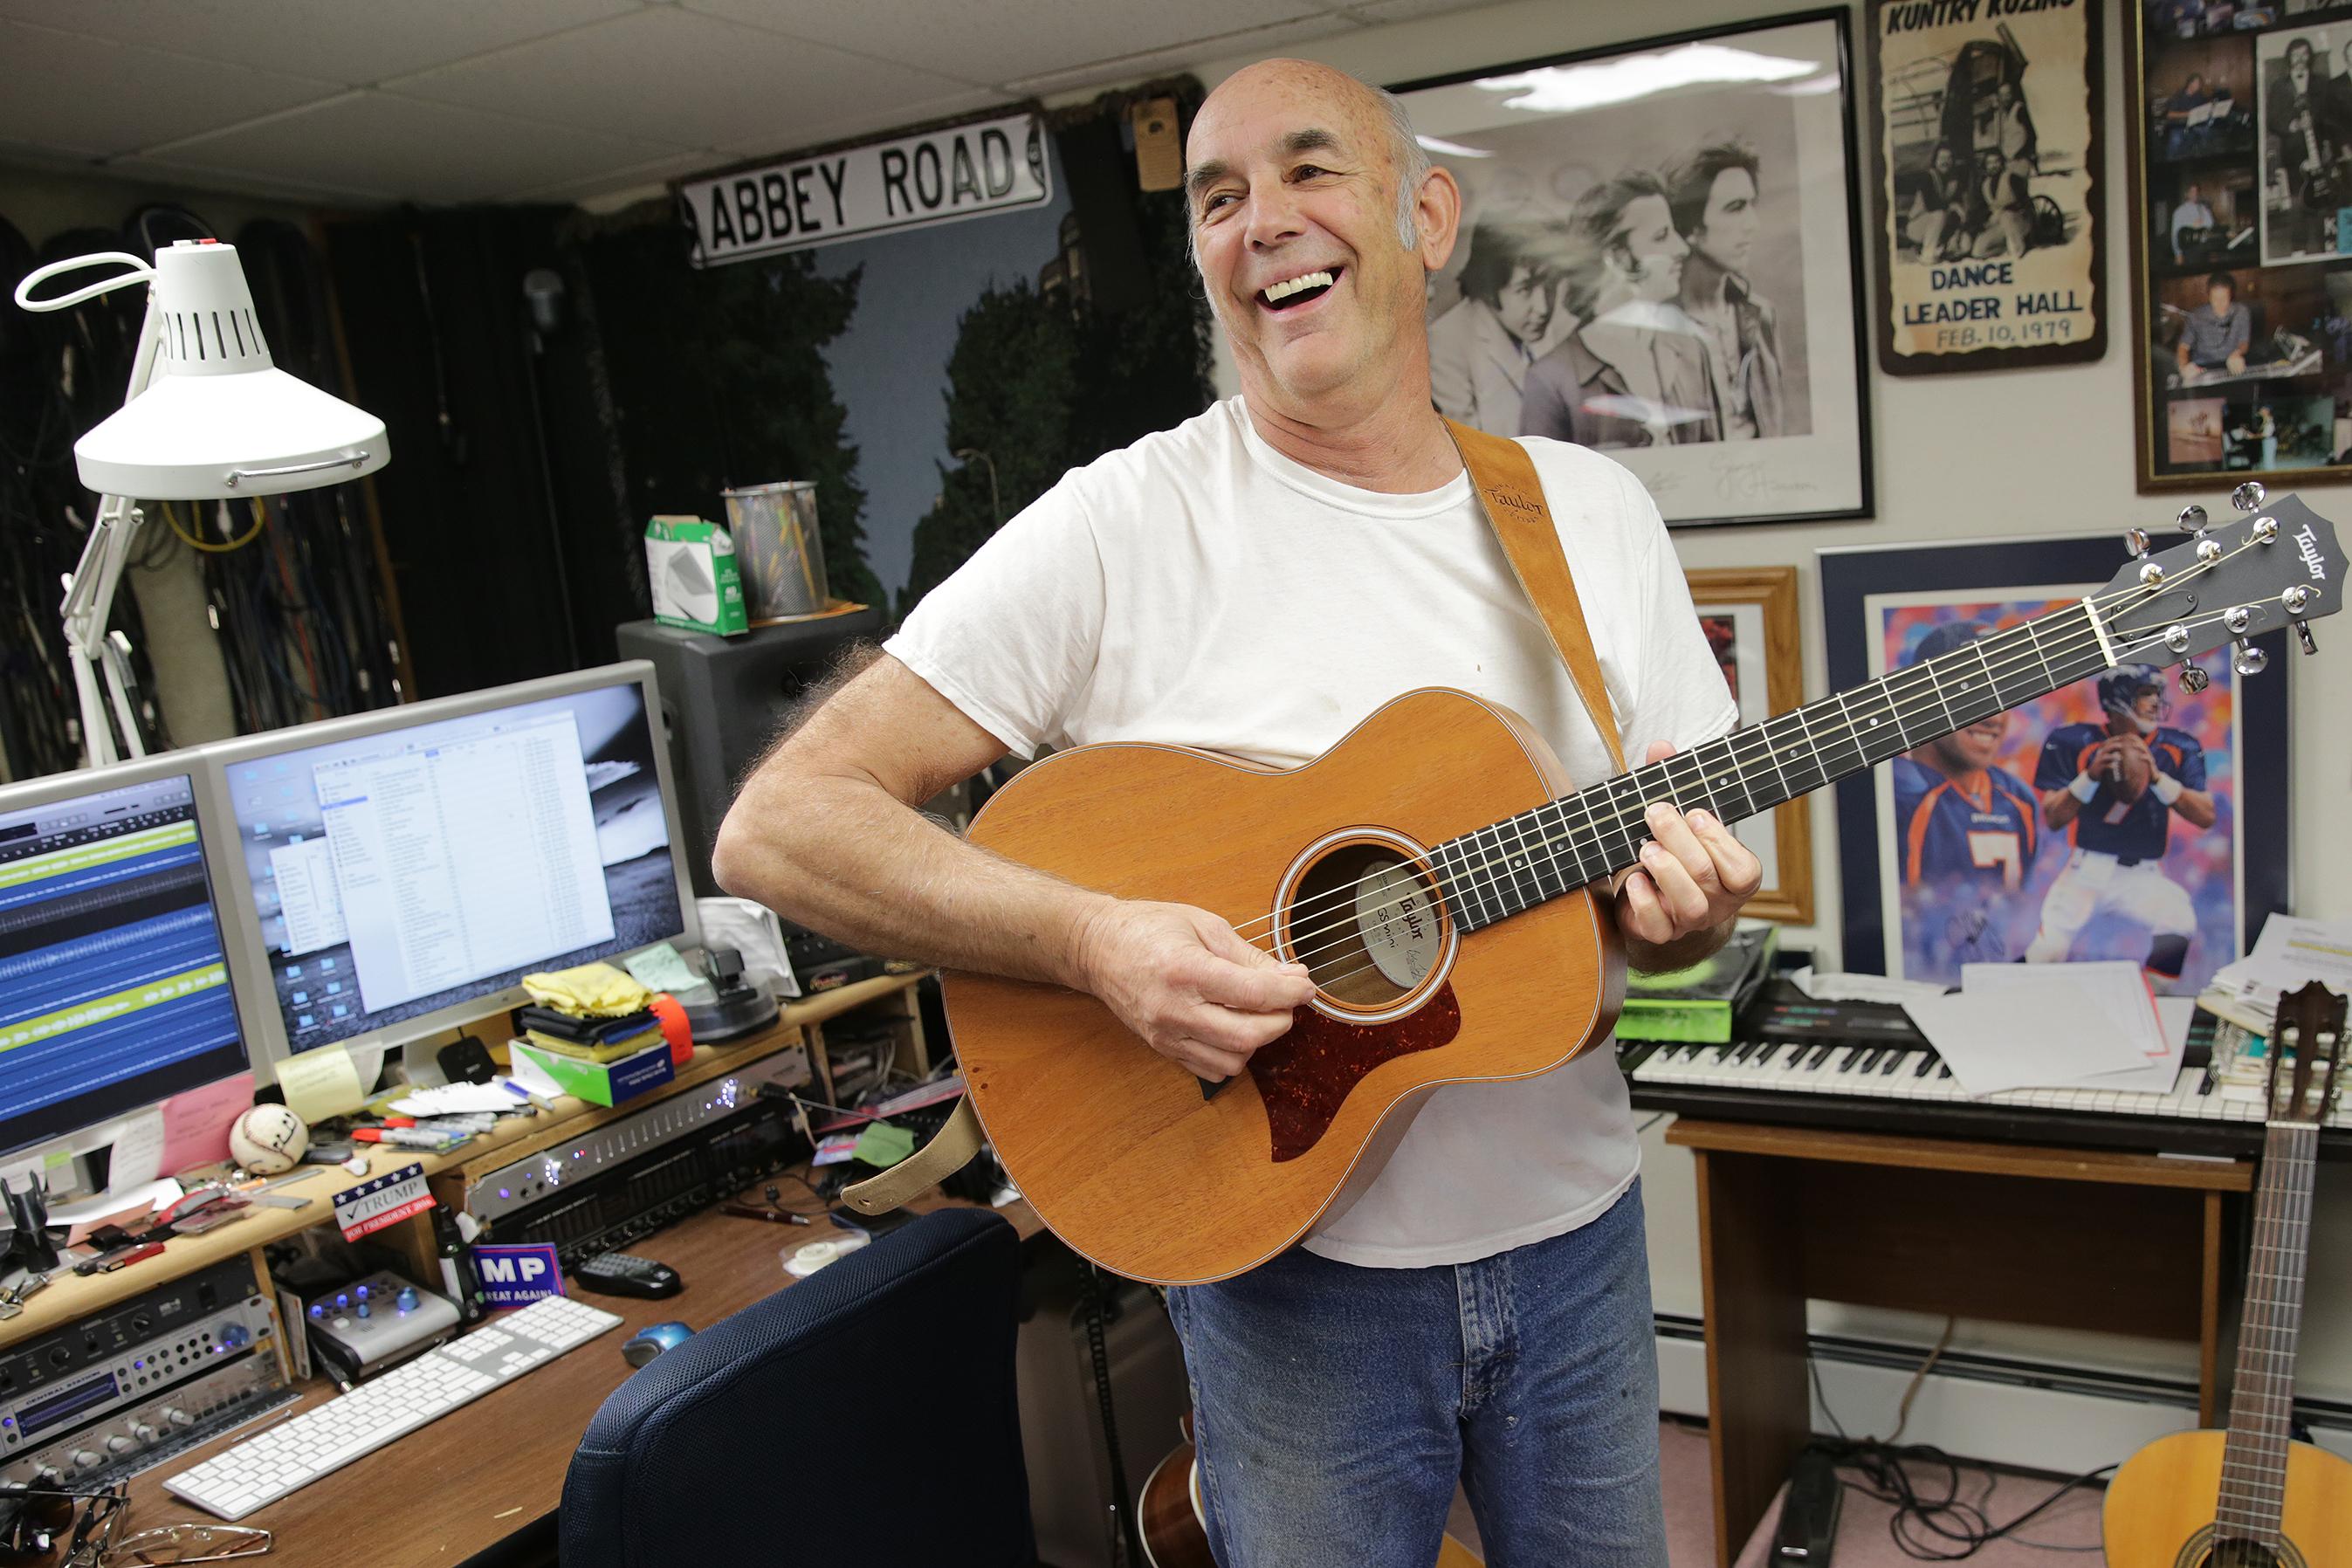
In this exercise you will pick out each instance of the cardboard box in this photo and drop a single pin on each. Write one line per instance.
(696, 584)
(603, 1083)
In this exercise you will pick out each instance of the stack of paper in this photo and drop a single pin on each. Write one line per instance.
(2288, 953)
(2052, 1025)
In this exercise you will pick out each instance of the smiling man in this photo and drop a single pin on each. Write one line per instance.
(1255, 582)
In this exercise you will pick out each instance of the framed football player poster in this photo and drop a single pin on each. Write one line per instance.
(1988, 195)
(1660, 256)
(1750, 616)
(2133, 815)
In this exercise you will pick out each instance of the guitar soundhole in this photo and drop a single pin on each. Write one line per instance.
(2204, 1551)
(1367, 923)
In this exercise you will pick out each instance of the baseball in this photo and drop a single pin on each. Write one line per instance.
(268, 1138)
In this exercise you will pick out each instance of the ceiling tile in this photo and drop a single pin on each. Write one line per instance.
(672, 76)
(200, 181)
(346, 41)
(416, 151)
(1132, 67)
(996, 44)
(675, 166)
(1407, 10)
(84, 95)
(789, 132)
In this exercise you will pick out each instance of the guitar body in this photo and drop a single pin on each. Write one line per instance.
(2159, 1508)
(1123, 1152)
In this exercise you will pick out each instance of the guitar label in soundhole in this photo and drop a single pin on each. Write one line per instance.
(2205, 1551)
(1397, 920)
(1305, 1076)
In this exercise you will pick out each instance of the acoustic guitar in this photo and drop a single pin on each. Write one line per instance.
(1434, 871)
(2251, 1496)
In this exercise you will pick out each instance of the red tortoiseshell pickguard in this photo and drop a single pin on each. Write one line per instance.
(1306, 1076)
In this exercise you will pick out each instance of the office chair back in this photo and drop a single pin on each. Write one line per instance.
(865, 1413)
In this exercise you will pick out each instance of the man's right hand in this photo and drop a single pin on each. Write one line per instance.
(1184, 981)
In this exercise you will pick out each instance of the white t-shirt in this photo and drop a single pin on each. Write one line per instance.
(1201, 589)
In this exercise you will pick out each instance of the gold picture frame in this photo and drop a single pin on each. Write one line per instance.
(1750, 616)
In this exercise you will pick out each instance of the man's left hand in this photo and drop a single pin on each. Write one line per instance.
(1693, 879)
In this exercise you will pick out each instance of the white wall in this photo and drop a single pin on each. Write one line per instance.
(1958, 456)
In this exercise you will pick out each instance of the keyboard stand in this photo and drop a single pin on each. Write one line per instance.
(2076, 1238)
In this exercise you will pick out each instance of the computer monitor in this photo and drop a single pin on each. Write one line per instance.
(399, 871)
(115, 985)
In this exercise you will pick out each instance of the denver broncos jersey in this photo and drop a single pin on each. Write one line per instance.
(2137, 831)
(1980, 827)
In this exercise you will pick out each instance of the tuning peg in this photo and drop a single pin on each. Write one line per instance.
(2248, 496)
(2248, 660)
(2193, 680)
(2192, 520)
(2136, 540)
(2303, 635)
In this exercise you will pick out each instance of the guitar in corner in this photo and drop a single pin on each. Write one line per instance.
(1434, 871)
(2251, 1496)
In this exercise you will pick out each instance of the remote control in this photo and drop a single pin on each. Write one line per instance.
(618, 1274)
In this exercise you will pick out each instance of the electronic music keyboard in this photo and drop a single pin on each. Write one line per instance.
(1864, 1067)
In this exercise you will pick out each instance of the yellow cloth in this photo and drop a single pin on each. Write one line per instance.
(590, 990)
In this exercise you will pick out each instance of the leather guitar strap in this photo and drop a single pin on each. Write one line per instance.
(950, 1151)
(1512, 497)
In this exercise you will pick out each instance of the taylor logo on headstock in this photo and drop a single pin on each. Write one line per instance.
(2306, 544)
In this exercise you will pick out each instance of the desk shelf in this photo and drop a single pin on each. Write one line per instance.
(69, 1298)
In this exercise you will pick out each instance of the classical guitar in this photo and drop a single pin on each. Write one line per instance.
(2251, 1496)
(1174, 1523)
(1432, 872)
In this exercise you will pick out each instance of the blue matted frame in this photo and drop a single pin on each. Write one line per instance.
(1851, 576)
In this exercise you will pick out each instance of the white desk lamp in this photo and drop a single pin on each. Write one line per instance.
(208, 418)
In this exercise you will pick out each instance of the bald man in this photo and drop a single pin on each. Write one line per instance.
(1255, 582)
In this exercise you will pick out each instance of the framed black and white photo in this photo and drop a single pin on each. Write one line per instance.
(1988, 190)
(1659, 257)
(1949, 854)
(2241, 240)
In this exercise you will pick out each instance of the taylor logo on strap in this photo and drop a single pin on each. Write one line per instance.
(1497, 494)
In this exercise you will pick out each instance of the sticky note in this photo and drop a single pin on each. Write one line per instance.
(883, 1144)
(659, 968)
(321, 1083)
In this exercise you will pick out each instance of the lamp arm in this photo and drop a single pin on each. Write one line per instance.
(90, 593)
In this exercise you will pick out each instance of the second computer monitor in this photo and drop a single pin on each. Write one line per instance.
(404, 868)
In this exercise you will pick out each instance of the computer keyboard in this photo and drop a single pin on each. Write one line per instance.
(323, 1439)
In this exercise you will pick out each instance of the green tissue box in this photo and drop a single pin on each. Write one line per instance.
(697, 582)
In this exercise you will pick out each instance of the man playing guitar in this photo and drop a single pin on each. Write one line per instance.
(1255, 582)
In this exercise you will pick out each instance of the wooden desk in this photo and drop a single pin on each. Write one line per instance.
(494, 1467)
(2069, 1237)
(68, 1298)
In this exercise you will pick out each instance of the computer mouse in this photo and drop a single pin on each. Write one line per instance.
(651, 1340)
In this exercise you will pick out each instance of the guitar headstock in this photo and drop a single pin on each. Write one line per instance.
(2309, 1027)
(2276, 564)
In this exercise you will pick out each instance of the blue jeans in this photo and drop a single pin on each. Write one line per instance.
(1335, 1406)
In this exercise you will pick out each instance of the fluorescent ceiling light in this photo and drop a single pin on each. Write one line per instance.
(1564, 89)
(1438, 145)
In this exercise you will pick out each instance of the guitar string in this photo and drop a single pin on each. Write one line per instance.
(1344, 925)
(1894, 700)
(1503, 869)
(1472, 885)
(2259, 1446)
(1913, 675)
(1771, 745)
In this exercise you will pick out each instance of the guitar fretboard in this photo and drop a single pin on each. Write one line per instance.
(2262, 1403)
(1521, 861)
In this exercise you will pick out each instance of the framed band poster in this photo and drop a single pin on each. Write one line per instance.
(1962, 851)
(1987, 184)
(2241, 240)
(1749, 616)
(1660, 256)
